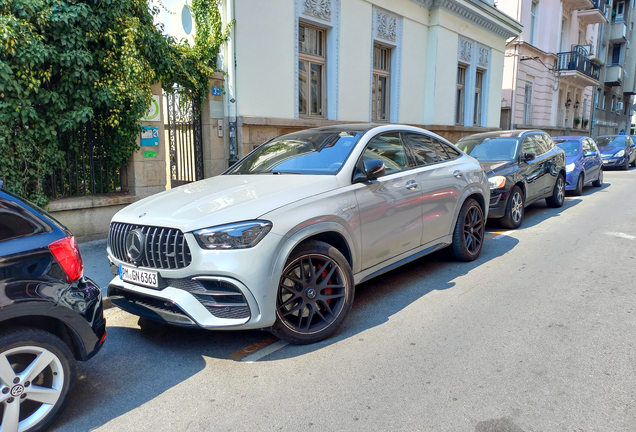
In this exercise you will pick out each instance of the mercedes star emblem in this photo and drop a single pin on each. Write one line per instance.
(135, 241)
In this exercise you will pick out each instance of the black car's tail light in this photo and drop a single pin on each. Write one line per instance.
(68, 255)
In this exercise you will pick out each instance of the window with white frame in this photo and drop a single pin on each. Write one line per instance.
(533, 22)
(604, 101)
(312, 61)
(618, 12)
(381, 85)
(479, 83)
(613, 103)
(460, 94)
(527, 105)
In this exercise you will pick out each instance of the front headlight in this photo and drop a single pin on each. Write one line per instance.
(620, 154)
(240, 235)
(569, 167)
(497, 182)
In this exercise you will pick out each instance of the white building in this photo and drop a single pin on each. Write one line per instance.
(294, 64)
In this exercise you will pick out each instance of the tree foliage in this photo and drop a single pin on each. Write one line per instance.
(67, 62)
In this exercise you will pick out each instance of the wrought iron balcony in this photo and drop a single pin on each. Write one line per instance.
(596, 15)
(576, 61)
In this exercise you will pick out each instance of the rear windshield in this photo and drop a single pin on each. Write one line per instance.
(570, 147)
(305, 152)
(618, 141)
(490, 149)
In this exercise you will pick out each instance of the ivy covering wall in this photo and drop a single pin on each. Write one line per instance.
(64, 63)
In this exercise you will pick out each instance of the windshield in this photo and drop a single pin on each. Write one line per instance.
(490, 149)
(570, 147)
(610, 141)
(304, 152)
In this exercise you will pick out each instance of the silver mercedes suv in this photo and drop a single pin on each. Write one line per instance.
(280, 239)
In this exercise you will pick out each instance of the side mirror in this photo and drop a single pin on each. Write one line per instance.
(374, 168)
(589, 154)
(528, 157)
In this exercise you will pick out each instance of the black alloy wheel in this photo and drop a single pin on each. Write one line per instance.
(579, 186)
(315, 293)
(468, 236)
(515, 208)
(599, 181)
(626, 166)
(558, 193)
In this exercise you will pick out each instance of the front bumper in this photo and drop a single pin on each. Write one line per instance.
(498, 202)
(614, 162)
(570, 180)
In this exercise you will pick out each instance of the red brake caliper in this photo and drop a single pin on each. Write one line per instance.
(327, 291)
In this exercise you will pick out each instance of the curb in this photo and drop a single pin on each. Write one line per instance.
(107, 303)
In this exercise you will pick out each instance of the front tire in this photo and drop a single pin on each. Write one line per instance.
(468, 236)
(599, 181)
(558, 193)
(36, 372)
(515, 209)
(579, 186)
(315, 294)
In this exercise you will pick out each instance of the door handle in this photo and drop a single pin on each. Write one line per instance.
(457, 173)
(411, 184)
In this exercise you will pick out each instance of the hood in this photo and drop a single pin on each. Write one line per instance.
(611, 149)
(223, 199)
(571, 159)
(491, 166)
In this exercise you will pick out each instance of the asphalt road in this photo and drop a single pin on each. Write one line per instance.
(538, 334)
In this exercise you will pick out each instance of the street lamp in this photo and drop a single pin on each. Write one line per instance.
(568, 103)
(576, 105)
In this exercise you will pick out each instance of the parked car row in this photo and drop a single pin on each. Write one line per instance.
(279, 241)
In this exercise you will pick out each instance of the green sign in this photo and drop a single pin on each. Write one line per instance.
(151, 153)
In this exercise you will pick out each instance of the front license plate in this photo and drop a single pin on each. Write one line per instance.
(138, 276)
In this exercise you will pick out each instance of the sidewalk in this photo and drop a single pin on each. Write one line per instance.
(96, 264)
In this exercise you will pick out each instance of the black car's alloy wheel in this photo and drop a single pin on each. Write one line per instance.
(36, 370)
(514, 209)
(558, 193)
(315, 293)
(468, 236)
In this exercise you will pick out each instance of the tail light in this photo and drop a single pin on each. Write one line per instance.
(68, 255)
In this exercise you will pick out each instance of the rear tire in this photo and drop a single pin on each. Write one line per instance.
(599, 181)
(468, 236)
(558, 193)
(579, 186)
(515, 209)
(36, 398)
(315, 294)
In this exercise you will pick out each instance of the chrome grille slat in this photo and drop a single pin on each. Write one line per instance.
(159, 241)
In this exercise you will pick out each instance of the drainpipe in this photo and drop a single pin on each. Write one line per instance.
(231, 85)
(599, 47)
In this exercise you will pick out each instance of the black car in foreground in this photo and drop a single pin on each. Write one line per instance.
(523, 166)
(50, 315)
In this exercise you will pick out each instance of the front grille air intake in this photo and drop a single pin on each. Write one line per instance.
(164, 248)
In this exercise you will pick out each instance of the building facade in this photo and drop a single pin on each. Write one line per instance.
(615, 94)
(550, 74)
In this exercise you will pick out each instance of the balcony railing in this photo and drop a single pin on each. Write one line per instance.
(575, 61)
(596, 15)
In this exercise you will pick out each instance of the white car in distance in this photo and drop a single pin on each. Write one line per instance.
(280, 239)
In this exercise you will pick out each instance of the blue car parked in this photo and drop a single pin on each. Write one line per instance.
(617, 151)
(583, 162)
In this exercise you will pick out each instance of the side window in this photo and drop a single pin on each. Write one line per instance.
(389, 149)
(587, 146)
(452, 153)
(15, 222)
(549, 144)
(593, 145)
(531, 145)
(426, 150)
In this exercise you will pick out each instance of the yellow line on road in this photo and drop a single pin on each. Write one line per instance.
(495, 234)
(253, 348)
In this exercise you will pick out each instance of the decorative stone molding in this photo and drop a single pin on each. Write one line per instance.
(465, 50)
(483, 56)
(386, 26)
(318, 9)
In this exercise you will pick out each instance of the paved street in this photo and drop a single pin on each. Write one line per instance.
(538, 334)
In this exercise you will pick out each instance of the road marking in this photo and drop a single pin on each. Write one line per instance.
(498, 234)
(622, 235)
(265, 351)
(258, 350)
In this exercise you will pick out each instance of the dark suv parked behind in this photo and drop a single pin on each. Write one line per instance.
(522, 167)
(50, 315)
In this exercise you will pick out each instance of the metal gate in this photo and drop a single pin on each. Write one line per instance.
(185, 137)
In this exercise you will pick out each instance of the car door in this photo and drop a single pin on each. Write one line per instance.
(442, 181)
(591, 164)
(389, 207)
(533, 171)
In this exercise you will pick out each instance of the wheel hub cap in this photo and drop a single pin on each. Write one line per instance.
(17, 390)
(311, 293)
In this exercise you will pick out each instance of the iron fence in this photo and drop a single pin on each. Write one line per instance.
(89, 170)
(575, 60)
